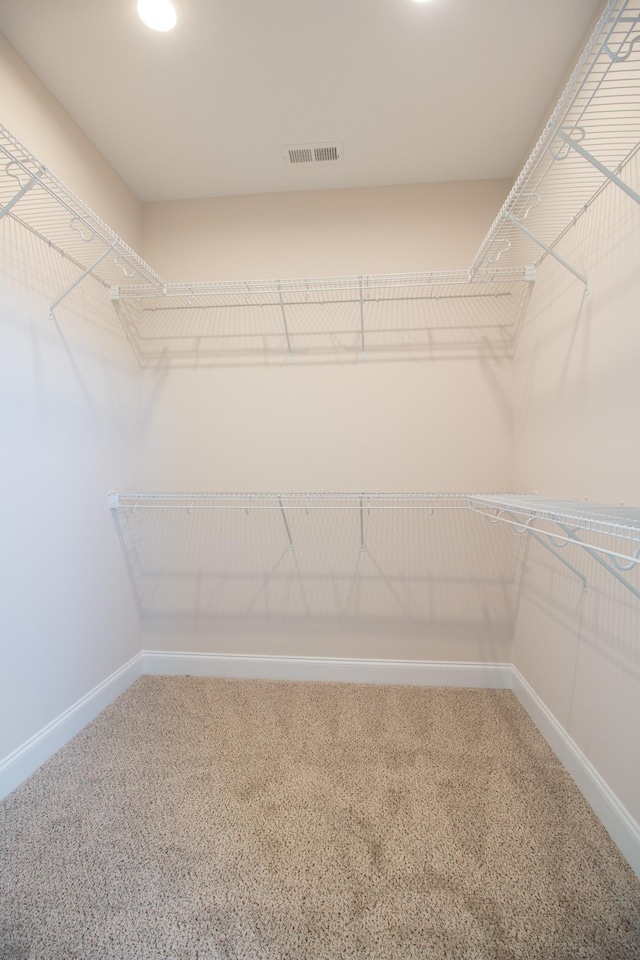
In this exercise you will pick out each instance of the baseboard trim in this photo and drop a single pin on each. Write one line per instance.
(617, 820)
(30, 755)
(423, 673)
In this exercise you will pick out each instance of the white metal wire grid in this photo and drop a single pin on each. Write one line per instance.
(292, 501)
(600, 111)
(479, 308)
(50, 210)
(298, 316)
(612, 521)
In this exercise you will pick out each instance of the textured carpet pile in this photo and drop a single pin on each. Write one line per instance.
(199, 819)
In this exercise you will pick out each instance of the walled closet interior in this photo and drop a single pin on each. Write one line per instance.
(421, 451)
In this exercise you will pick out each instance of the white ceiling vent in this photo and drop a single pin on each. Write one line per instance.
(302, 153)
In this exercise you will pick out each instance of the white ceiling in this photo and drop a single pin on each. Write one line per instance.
(418, 92)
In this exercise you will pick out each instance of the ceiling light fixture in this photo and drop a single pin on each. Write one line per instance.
(158, 14)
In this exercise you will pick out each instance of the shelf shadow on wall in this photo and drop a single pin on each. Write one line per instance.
(446, 574)
(604, 619)
(473, 325)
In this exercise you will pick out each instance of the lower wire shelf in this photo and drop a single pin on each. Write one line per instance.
(609, 534)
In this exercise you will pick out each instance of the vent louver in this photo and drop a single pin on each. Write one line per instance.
(302, 155)
(312, 153)
(325, 153)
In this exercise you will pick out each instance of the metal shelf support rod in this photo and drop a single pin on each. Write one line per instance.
(558, 556)
(286, 328)
(569, 538)
(362, 347)
(286, 525)
(603, 563)
(21, 192)
(84, 274)
(543, 543)
(549, 250)
(599, 166)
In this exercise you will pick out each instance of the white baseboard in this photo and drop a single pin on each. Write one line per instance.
(619, 823)
(422, 673)
(26, 759)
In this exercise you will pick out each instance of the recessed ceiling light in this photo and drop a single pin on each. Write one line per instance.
(158, 14)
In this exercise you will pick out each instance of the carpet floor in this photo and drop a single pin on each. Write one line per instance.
(201, 819)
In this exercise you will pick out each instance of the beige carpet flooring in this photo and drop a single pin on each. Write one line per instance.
(199, 819)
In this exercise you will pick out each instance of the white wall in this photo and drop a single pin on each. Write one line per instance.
(429, 226)
(577, 402)
(425, 587)
(35, 117)
(69, 431)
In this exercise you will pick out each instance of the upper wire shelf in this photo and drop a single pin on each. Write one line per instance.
(46, 207)
(587, 142)
(590, 137)
(358, 313)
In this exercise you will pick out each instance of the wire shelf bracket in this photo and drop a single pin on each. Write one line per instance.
(85, 273)
(608, 561)
(521, 528)
(549, 250)
(21, 192)
(577, 146)
(363, 351)
(286, 525)
(284, 321)
(573, 519)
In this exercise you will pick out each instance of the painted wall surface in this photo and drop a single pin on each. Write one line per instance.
(35, 117)
(577, 401)
(321, 233)
(69, 430)
(424, 587)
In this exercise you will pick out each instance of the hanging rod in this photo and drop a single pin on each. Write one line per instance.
(290, 501)
(605, 520)
(321, 290)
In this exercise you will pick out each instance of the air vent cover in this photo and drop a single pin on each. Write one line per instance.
(303, 153)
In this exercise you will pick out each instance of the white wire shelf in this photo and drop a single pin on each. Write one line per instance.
(587, 142)
(46, 207)
(591, 136)
(608, 534)
(612, 532)
(359, 313)
(291, 501)
(612, 521)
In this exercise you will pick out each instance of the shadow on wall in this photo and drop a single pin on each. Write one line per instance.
(194, 334)
(602, 621)
(35, 273)
(447, 573)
